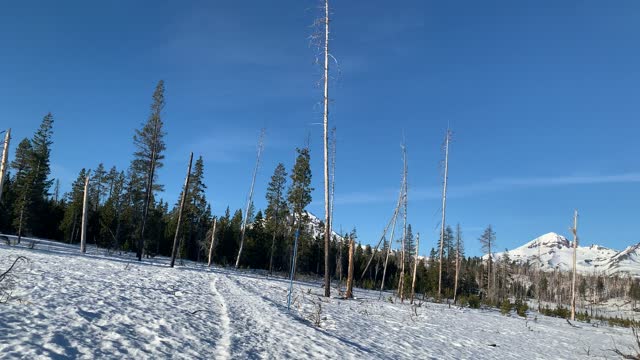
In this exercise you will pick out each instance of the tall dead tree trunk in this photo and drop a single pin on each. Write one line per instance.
(444, 207)
(349, 292)
(185, 189)
(327, 220)
(85, 202)
(3, 162)
(213, 241)
(415, 268)
(455, 282)
(575, 249)
(404, 227)
(243, 229)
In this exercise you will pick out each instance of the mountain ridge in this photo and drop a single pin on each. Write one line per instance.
(556, 252)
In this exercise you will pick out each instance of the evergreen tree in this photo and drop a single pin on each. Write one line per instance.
(110, 214)
(299, 195)
(98, 186)
(41, 147)
(276, 209)
(23, 186)
(70, 225)
(487, 240)
(148, 158)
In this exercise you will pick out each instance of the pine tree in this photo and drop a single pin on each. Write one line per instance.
(98, 186)
(197, 212)
(299, 194)
(110, 214)
(148, 158)
(23, 186)
(410, 244)
(276, 207)
(487, 240)
(41, 146)
(70, 225)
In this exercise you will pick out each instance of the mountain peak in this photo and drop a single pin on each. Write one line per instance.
(549, 240)
(553, 251)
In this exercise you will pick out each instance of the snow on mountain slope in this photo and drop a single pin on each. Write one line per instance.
(556, 252)
(113, 307)
(626, 261)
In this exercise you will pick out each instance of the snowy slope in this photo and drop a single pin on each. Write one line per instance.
(556, 252)
(69, 305)
(626, 261)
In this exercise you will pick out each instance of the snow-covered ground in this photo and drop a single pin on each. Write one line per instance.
(68, 305)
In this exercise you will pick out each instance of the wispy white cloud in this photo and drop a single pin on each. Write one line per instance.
(228, 146)
(494, 185)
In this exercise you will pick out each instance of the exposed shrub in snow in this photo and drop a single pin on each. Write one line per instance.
(521, 308)
(505, 307)
(474, 302)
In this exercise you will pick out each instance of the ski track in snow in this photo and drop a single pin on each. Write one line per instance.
(222, 349)
(107, 306)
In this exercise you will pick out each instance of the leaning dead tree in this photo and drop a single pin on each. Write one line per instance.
(389, 243)
(327, 205)
(574, 230)
(444, 207)
(404, 226)
(243, 229)
(213, 241)
(383, 238)
(415, 268)
(185, 189)
(85, 203)
(3, 162)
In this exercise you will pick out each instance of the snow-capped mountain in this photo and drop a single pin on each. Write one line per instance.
(316, 227)
(556, 252)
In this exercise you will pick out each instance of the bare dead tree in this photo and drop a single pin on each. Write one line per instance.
(636, 356)
(213, 241)
(85, 203)
(182, 201)
(6, 279)
(393, 229)
(404, 227)
(327, 206)
(349, 292)
(574, 230)
(382, 239)
(250, 199)
(444, 207)
(415, 268)
(3, 162)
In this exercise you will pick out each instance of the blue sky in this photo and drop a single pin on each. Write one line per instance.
(542, 97)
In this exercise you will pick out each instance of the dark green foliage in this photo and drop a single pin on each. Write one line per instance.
(505, 307)
(474, 302)
(521, 308)
(299, 194)
(148, 157)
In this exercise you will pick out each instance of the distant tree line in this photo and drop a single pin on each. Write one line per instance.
(126, 214)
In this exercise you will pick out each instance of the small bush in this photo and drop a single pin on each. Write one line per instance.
(463, 301)
(474, 301)
(521, 308)
(505, 307)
